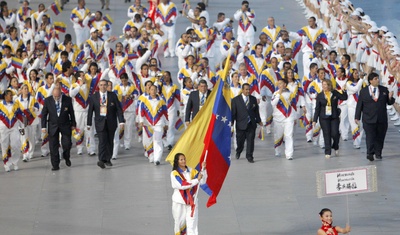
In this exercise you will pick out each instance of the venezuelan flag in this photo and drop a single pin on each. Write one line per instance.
(60, 27)
(179, 124)
(17, 63)
(210, 132)
(108, 18)
(56, 8)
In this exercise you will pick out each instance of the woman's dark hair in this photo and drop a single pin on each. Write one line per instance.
(285, 74)
(93, 64)
(323, 211)
(176, 160)
(351, 78)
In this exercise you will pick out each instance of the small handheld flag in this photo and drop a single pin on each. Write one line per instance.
(179, 124)
(56, 8)
(16, 63)
(60, 27)
(108, 18)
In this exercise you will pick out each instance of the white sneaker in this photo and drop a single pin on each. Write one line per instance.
(7, 168)
(392, 112)
(327, 156)
(114, 158)
(289, 157)
(395, 118)
(356, 146)
(16, 167)
(315, 143)
(337, 153)
(277, 154)
(397, 123)
(322, 146)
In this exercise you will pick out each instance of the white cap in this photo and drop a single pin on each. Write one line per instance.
(373, 29)
(366, 18)
(396, 52)
(92, 30)
(355, 13)
(388, 34)
(359, 9)
(384, 28)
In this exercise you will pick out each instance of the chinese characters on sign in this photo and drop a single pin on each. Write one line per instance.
(346, 181)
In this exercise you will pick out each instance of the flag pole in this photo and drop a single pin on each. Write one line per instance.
(197, 192)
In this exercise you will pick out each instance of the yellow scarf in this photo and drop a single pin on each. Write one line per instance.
(328, 97)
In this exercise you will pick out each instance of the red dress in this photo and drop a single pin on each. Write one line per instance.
(328, 229)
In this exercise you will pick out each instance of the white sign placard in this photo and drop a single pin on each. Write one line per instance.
(346, 181)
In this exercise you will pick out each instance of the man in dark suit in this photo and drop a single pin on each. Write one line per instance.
(107, 109)
(196, 101)
(372, 104)
(58, 117)
(246, 114)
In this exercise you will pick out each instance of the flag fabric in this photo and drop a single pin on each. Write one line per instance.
(210, 131)
(186, 4)
(108, 18)
(60, 27)
(56, 8)
(16, 63)
(179, 124)
(261, 133)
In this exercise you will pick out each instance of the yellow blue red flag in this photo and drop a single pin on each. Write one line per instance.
(210, 131)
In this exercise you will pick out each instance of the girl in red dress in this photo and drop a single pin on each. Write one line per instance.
(327, 228)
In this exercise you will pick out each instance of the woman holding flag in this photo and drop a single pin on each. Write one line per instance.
(184, 201)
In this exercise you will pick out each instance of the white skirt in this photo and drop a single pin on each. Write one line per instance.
(343, 41)
(352, 45)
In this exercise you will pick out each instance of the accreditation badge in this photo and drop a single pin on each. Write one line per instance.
(103, 110)
(328, 110)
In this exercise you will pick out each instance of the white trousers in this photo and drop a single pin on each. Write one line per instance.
(245, 39)
(283, 131)
(152, 142)
(45, 143)
(81, 35)
(10, 145)
(266, 110)
(172, 118)
(30, 137)
(356, 130)
(89, 141)
(128, 131)
(169, 34)
(344, 122)
(182, 218)
(313, 133)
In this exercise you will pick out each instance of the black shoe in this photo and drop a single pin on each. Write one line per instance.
(309, 141)
(378, 157)
(169, 147)
(101, 164)
(370, 157)
(25, 160)
(250, 160)
(237, 155)
(108, 163)
(55, 168)
(68, 162)
(157, 163)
